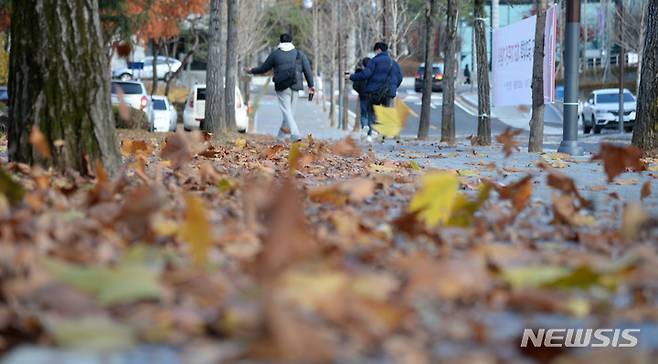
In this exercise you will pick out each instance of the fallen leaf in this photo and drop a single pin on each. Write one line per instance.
(196, 230)
(94, 333)
(435, 200)
(135, 146)
(627, 181)
(566, 184)
(391, 120)
(240, 143)
(632, 220)
(11, 189)
(619, 159)
(646, 190)
(518, 192)
(40, 142)
(347, 148)
(507, 140)
(565, 212)
(125, 283)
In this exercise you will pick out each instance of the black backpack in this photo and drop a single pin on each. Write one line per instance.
(360, 86)
(380, 96)
(288, 77)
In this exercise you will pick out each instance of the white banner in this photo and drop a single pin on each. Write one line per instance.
(513, 48)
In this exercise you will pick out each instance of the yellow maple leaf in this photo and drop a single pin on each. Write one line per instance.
(464, 208)
(241, 143)
(294, 155)
(196, 229)
(391, 120)
(436, 198)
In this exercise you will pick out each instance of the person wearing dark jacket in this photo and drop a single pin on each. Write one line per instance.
(289, 64)
(367, 116)
(381, 73)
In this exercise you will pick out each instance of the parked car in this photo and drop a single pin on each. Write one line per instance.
(601, 110)
(166, 66)
(164, 116)
(4, 95)
(134, 95)
(195, 109)
(437, 77)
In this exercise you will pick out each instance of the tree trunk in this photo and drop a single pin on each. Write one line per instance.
(186, 60)
(484, 109)
(215, 72)
(645, 133)
(60, 82)
(231, 63)
(155, 51)
(448, 108)
(643, 24)
(536, 141)
(426, 109)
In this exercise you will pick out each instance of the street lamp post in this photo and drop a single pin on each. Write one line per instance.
(569, 143)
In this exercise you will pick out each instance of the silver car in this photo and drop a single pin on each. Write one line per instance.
(601, 110)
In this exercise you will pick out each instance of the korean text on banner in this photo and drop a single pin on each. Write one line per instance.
(513, 48)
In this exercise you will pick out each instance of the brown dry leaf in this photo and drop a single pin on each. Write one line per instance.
(356, 190)
(566, 212)
(598, 188)
(181, 147)
(507, 140)
(135, 146)
(518, 192)
(619, 159)
(287, 240)
(40, 142)
(566, 184)
(634, 217)
(347, 148)
(272, 151)
(646, 190)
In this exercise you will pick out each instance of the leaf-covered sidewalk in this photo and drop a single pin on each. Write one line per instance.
(257, 251)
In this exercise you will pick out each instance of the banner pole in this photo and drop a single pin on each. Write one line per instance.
(569, 144)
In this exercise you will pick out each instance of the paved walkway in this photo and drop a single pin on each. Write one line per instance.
(309, 116)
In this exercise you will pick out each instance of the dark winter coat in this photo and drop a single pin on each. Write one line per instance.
(281, 61)
(360, 86)
(376, 73)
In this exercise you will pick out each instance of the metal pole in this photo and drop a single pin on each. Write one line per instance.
(569, 143)
(621, 63)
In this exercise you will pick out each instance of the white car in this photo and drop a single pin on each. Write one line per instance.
(601, 110)
(195, 109)
(164, 116)
(166, 66)
(134, 95)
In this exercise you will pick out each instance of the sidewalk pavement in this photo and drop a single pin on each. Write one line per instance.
(472, 164)
(309, 116)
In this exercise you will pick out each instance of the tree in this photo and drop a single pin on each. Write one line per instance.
(536, 139)
(448, 106)
(425, 110)
(231, 62)
(484, 108)
(60, 83)
(214, 118)
(645, 133)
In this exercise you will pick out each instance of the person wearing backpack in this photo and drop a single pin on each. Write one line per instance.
(289, 64)
(367, 114)
(383, 76)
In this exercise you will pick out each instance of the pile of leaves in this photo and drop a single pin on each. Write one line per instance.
(312, 252)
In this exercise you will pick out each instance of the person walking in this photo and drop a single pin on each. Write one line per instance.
(467, 76)
(383, 78)
(367, 116)
(289, 64)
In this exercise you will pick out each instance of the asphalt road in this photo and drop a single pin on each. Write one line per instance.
(465, 123)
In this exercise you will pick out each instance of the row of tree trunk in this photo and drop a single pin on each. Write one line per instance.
(221, 73)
